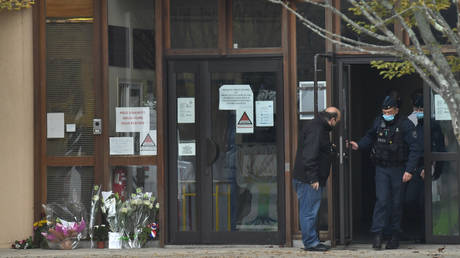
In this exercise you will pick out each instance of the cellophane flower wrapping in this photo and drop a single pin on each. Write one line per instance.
(110, 204)
(66, 225)
(95, 203)
(129, 217)
(135, 214)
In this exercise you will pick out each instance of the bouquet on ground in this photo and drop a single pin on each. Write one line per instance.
(130, 217)
(40, 227)
(135, 215)
(66, 225)
(95, 200)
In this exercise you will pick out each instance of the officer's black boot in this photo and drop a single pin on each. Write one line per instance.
(393, 243)
(377, 245)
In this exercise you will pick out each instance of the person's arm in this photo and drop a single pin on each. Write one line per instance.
(370, 136)
(415, 151)
(310, 152)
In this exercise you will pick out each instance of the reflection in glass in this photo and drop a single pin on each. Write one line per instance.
(186, 157)
(256, 24)
(348, 31)
(245, 171)
(69, 86)
(442, 134)
(126, 179)
(194, 24)
(70, 184)
(132, 74)
(444, 197)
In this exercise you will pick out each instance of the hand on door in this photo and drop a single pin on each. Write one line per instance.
(353, 144)
(406, 177)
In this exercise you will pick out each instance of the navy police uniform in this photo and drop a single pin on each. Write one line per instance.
(395, 151)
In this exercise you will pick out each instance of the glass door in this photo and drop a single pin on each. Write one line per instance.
(228, 187)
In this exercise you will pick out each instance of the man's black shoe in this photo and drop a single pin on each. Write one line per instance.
(318, 248)
(393, 243)
(377, 244)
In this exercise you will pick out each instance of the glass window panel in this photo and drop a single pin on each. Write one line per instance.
(194, 24)
(132, 99)
(69, 85)
(245, 188)
(347, 30)
(70, 185)
(444, 197)
(126, 179)
(186, 153)
(442, 134)
(256, 24)
(118, 46)
(308, 44)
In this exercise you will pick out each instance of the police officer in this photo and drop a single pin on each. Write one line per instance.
(396, 153)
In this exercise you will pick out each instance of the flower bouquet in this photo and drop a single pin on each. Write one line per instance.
(136, 214)
(40, 227)
(64, 233)
(130, 217)
(95, 200)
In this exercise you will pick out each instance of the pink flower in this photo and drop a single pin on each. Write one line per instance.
(81, 226)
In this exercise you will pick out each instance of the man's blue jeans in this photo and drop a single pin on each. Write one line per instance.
(309, 202)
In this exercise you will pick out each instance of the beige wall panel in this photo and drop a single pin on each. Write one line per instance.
(69, 8)
(16, 126)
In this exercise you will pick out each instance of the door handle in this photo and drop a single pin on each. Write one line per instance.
(212, 149)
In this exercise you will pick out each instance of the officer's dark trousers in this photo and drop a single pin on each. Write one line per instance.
(388, 181)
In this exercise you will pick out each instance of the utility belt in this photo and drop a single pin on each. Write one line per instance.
(389, 163)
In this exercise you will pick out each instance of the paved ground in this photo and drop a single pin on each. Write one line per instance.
(243, 251)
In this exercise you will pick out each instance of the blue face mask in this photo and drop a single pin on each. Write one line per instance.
(419, 115)
(388, 118)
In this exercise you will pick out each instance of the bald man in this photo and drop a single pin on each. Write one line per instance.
(311, 170)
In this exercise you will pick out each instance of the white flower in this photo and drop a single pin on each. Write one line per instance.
(147, 203)
(133, 195)
(138, 190)
(124, 210)
(96, 187)
(153, 199)
(157, 205)
(96, 198)
(151, 206)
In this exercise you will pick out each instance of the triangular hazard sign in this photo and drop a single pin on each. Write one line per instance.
(148, 142)
(244, 120)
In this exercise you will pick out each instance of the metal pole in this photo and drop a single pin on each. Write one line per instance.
(315, 85)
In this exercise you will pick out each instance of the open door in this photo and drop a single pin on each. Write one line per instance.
(345, 213)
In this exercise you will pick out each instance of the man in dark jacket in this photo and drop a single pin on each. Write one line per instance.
(311, 170)
(396, 153)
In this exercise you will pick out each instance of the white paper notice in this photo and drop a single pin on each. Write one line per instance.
(132, 119)
(55, 125)
(187, 148)
(233, 97)
(264, 113)
(121, 146)
(148, 143)
(245, 120)
(70, 128)
(185, 110)
(441, 111)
